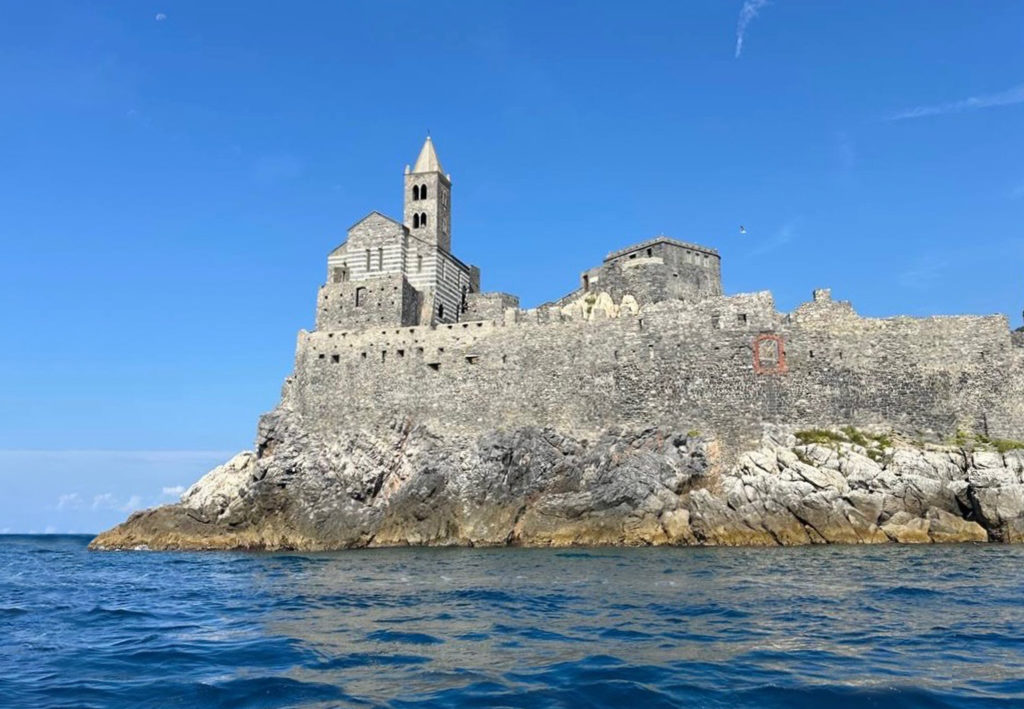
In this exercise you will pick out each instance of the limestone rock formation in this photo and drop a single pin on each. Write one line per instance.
(405, 485)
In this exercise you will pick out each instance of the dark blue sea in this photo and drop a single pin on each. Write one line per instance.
(925, 626)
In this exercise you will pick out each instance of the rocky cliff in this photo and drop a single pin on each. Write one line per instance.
(405, 484)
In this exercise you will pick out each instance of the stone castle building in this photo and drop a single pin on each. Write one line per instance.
(404, 273)
(648, 338)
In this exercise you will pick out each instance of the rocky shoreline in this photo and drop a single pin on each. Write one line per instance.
(405, 485)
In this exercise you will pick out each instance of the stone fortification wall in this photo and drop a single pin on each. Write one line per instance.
(725, 364)
(658, 269)
(489, 306)
(367, 303)
(650, 280)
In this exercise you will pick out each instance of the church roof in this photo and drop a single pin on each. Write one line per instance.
(427, 161)
(377, 214)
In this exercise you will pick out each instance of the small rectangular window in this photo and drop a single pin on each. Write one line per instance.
(360, 296)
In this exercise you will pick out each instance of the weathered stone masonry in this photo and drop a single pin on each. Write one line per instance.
(648, 339)
(638, 409)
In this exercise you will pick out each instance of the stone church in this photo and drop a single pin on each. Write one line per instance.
(391, 272)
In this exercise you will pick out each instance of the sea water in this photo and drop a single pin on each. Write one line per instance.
(830, 626)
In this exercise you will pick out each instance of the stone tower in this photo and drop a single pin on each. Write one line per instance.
(390, 273)
(428, 202)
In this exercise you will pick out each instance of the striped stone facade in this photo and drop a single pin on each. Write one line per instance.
(411, 255)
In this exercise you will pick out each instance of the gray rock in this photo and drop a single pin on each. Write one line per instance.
(405, 484)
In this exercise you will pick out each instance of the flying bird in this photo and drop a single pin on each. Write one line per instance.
(743, 229)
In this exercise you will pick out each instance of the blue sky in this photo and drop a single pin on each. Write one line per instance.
(173, 174)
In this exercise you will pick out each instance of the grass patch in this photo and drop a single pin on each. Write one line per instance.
(856, 436)
(820, 436)
(1006, 444)
(874, 444)
(972, 441)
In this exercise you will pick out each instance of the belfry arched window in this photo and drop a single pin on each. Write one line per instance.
(415, 221)
(423, 191)
(415, 192)
(423, 218)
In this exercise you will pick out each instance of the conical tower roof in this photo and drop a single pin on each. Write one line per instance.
(427, 161)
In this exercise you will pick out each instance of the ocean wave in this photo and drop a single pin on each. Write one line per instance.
(626, 627)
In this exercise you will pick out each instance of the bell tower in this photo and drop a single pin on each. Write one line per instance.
(428, 199)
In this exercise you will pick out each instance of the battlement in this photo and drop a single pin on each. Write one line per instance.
(647, 339)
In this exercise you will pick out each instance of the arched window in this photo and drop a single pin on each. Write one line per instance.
(423, 191)
(423, 218)
(440, 310)
(419, 264)
(415, 192)
(415, 221)
(367, 259)
(380, 259)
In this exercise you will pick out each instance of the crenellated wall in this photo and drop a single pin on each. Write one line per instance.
(489, 306)
(367, 303)
(723, 364)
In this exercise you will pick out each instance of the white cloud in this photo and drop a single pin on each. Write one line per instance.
(1002, 98)
(110, 501)
(783, 236)
(747, 13)
(50, 529)
(71, 501)
(131, 504)
(105, 501)
(174, 491)
(160, 17)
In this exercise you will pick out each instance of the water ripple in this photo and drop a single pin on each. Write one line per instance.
(815, 627)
